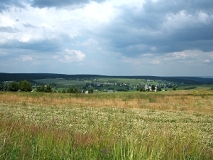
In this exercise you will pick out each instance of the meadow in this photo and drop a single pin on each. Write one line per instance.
(131, 125)
(82, 82)
(62, 82)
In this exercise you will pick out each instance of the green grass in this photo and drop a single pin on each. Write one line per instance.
(126, 80)
(195, 87)
(63, 83)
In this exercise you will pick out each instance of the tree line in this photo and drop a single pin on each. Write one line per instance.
(26, 86)
(13, 86)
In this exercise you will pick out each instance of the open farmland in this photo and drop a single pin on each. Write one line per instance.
(62, 82)
(134, 125)
(100, 84)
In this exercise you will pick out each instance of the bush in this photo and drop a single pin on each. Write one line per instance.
(13, 87)
(47, 88)
(159, 89)
(72, 90)
(40, 88)
(90, 90)
(153, 87)
(25, 86)
(142, 89)
(1, 87)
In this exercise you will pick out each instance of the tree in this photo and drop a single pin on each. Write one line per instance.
(40, 88)
(142, 89)
(138, 88)
(64, 91)
(25, 86)
(1, 86)
(90, 90)
(159, 89)
(153, 87)
(174, 88)
(13, 86)
(48, 88)
(72, 90)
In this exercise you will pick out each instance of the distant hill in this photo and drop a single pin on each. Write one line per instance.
(33, 76)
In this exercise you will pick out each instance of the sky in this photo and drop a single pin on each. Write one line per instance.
(107, 37)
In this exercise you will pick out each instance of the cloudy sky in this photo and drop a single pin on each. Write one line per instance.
(107, 37)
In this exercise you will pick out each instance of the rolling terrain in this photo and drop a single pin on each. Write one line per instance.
(36, 76)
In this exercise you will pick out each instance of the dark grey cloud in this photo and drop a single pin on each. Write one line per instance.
(60, 3)
(174, 6)
(161, 27)
(27, 25)
(8, 30)
(41, 46)
(5, 4)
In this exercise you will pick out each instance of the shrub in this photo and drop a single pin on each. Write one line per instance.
(47, 88)
(90, 90)
(25, 86)
(72, 90)
(13, 86)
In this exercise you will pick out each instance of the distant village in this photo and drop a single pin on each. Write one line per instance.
(110, 86)
(89, 86)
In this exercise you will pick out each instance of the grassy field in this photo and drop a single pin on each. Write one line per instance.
(129, 80)
(62, 83)
(122, 80)
(195, 87)
(66, 83)
(165, 125)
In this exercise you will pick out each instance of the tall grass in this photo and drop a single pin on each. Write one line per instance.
(125, 126)
(22, 141)
(193, 101)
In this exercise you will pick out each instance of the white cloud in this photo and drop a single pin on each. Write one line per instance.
(155, 61)
(124, 34)
(90, 42)
(184, 19)
(132, 3)
(26, 58)
(98, 13)
(207, 61)
(6, 21)
(70, 56)
(185, 57)
(50, 23)
(203, 17)
(180, 55)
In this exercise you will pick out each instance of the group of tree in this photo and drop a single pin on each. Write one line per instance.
(150, 88)
(90, 90)
(1, 87)
(24, 86)
(44, 88)
(72, 89)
